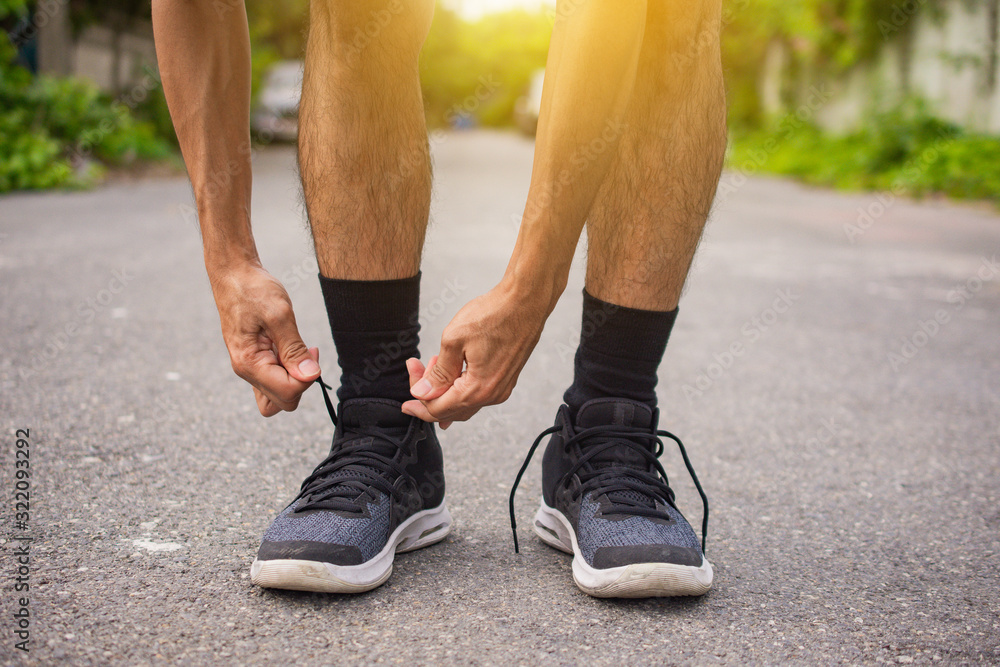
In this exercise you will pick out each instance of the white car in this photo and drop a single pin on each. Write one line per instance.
(276, 115)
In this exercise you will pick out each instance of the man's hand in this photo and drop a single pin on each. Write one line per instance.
(263, 341)
(491, 337)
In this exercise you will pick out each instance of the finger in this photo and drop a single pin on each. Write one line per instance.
(455, 404)
(293, 354)
(281, 389)
(441, 373)
(264, 404)
(415, 370)
(419, 410)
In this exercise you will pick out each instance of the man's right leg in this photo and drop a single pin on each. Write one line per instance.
(606, 498)
(365, 169)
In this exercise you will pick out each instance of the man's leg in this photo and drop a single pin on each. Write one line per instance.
(366, 178)
(649, 214)
(606, 498)
(362, 137)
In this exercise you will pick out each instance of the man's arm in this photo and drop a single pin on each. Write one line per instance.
(589, 76)
(203, 49)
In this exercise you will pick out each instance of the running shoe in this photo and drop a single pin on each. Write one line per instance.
(606, 500)
(379, 492)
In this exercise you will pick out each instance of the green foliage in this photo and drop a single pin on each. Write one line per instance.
(278, 28)
(9, 8)
(905, 150)
(819, 36)
(50, 128)
(476, 69)
(479, 69)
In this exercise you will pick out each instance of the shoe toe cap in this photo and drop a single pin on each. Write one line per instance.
(609, 557)
(336, 554)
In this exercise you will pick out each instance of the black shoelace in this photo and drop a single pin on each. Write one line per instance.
(352, 469)
(614, 481)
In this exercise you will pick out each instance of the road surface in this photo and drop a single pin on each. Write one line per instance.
(835, 374)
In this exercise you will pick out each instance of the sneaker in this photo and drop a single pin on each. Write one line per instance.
(606, 500)
(378, 493)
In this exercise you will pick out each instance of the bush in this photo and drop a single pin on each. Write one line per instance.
(906, 150)
(52, 129)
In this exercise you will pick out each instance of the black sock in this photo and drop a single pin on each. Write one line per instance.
(619, 353)
(375, 329)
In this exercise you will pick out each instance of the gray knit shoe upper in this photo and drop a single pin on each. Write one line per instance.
(384, 466)
(601, 472)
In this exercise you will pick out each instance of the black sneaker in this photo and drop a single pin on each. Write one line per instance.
(606, 500)
(378, 493)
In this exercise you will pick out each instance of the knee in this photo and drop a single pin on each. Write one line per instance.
(394, 27)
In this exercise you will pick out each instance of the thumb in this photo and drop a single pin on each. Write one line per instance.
(300, 361)
(441, 373)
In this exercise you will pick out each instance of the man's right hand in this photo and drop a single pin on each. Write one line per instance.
(263, 340)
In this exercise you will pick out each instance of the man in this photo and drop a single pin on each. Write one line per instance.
(630, 141)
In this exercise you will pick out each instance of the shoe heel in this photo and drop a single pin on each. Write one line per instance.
(433, 526)
(551, 530)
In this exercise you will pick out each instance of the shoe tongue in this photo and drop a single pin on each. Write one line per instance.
(379, 414)
(373, 412)
(382, 415)
(617, 412)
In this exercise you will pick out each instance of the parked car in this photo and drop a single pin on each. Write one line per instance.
(276, 114)
(529, 105)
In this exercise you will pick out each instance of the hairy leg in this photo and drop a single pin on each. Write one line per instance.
(646, 222)
(363, 151)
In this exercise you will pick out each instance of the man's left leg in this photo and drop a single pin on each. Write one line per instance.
(606, 498)
(367, 181)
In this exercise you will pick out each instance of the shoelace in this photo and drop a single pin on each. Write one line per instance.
(614, 479)
(360, 469)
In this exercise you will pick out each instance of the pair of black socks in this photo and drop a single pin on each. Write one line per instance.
(376, 329)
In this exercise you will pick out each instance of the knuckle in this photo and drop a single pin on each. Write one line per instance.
(451, 338)
(486, 393)
(240, 366)
(295, 348)
(440, 374)
(288, 397)
(278, 311)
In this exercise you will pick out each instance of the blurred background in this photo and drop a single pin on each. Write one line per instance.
(857, 94)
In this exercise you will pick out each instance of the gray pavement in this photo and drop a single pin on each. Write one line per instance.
(849, 446)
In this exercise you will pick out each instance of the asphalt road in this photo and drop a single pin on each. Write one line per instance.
(854, 477)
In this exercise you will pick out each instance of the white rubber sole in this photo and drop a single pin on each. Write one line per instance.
(639, 580)
(420, 530)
